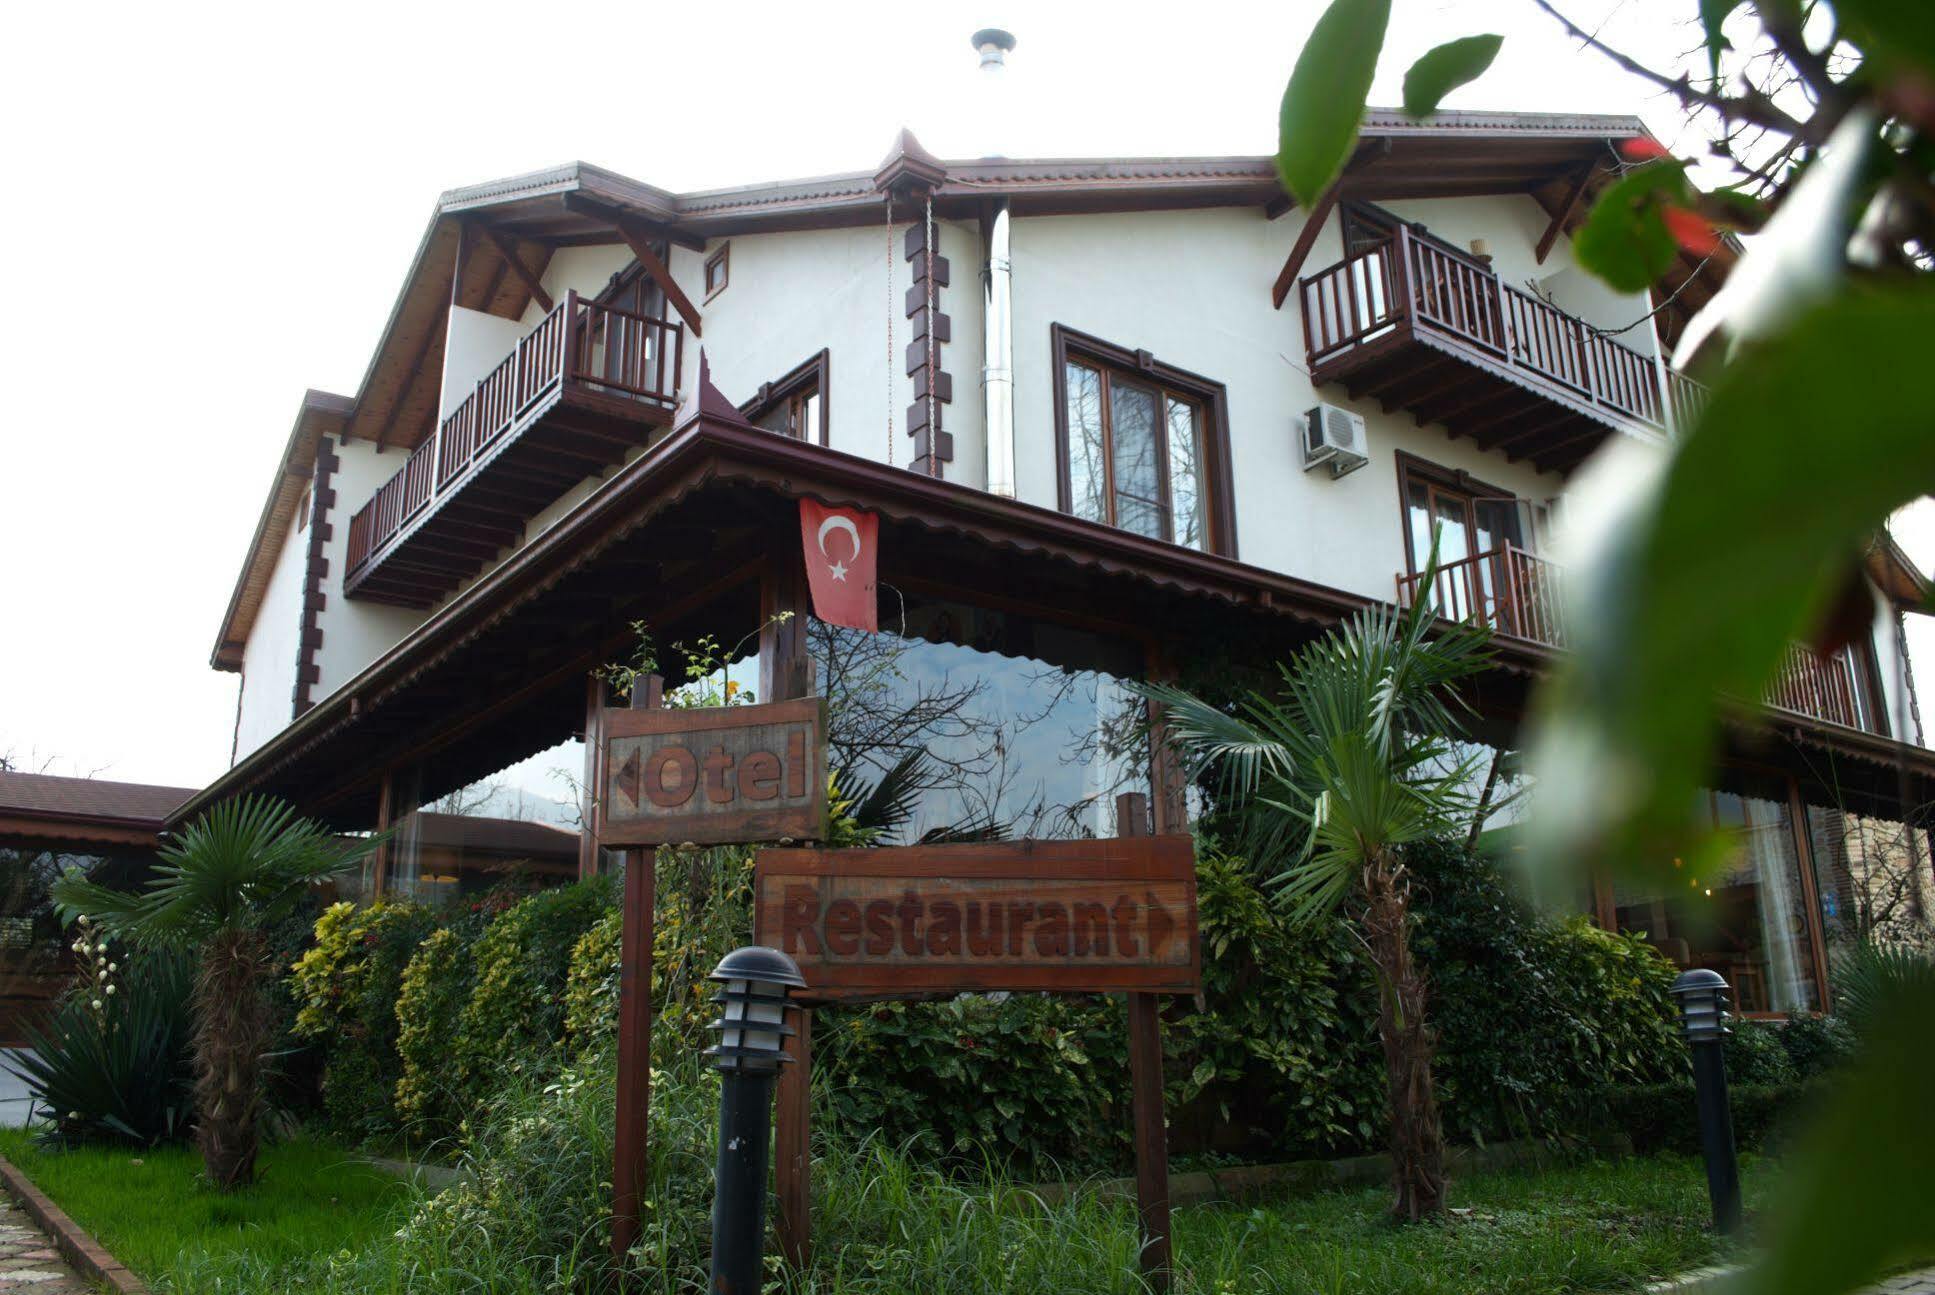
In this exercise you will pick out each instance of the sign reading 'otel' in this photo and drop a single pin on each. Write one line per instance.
(732, 773)
(1068, 915)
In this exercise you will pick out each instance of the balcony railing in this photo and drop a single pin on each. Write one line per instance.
(1408, 283)
(595, 350)
(1518, 593)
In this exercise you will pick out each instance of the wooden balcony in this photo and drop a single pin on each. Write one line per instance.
(1422, 327)
(589, 383)
(1521, 595)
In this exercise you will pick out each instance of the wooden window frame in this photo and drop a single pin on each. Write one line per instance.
(1068, 344)
(723, 259)
(815, 371)
(1410, 467)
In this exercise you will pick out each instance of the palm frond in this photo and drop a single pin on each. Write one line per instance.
(242, 864)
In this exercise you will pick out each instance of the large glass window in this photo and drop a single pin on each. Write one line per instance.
(1747, 919)
(996, 725)
(1873, 876)
(517, 829)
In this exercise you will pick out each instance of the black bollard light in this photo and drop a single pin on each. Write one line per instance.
(1703, 1014)
(752, 1026)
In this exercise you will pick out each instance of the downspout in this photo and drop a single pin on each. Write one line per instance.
(998, 350)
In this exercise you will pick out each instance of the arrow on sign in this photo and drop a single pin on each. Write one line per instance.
(630, 780)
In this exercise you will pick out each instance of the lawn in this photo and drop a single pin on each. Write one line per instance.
(320, 1221)
(150, 1209)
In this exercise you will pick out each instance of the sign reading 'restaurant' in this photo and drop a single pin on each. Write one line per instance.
(1116, 914)
(730, 773)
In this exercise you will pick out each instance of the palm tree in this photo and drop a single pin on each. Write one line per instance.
(1333, 779)
(221, 881)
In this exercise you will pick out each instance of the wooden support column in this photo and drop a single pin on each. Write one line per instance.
(629, 1171)
(1810, 892)
(1151, 1125)
(380, 860)
(786, 671)
(591, 793)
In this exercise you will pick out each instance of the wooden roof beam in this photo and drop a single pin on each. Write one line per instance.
(637, 237)
(1563, 216)
(507, 249)
(1300, 250)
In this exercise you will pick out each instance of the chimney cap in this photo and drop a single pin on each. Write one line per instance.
(995, 36)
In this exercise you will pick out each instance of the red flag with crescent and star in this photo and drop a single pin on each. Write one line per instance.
(842, 561)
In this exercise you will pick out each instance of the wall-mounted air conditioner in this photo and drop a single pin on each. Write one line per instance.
(1335, 437)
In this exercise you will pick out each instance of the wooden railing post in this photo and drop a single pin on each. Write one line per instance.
(568, 345)
(1407, 278)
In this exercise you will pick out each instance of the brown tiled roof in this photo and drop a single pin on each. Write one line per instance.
(505, 836)
(41, 795)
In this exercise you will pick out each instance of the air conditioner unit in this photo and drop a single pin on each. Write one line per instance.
(1334, 436)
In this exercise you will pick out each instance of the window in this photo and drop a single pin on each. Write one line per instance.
(1473, 523)
(794, 405)
(1747, 920)
(716, 267)
(1144, 446)
(302, 511)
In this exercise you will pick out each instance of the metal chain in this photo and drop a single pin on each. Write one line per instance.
(933, 323)
(890, 330)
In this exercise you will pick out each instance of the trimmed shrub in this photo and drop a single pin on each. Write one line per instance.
(591, 985)
(515, 1014)
(346, 988)
(430, 1000)
(1662, 1117)
(1816, 1045)
(1755, 1055)
(1529, 1010)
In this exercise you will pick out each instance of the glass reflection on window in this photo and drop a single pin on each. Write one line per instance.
(1747, 921)
(960, 723)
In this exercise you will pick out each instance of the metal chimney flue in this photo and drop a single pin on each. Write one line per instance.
(993, 45)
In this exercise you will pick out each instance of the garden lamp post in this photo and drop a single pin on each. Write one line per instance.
(1703, 1014)
(752, 1026)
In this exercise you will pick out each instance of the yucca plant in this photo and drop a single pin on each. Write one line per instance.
(1871, 977)
(111, 1063)
(1353, 761)
(221, 881)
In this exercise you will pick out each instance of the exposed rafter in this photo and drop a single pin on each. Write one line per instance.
(1300, 250)
(507, 248)
(1563, 216)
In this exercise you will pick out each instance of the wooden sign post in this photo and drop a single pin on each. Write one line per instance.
(1063, 916)
(689, 776)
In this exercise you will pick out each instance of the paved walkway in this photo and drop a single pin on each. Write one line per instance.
(1921, 1283)
(28, 1260)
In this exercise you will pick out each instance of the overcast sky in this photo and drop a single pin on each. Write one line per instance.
(213, 208)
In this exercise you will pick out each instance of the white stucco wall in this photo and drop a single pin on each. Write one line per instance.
(1193, 289)
(269, 659)
(475, 344)
(355, 632)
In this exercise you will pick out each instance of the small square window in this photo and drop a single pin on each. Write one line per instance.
(716, 267)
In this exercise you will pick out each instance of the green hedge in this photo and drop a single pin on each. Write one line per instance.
(1661, 1117)
(1278, 1057)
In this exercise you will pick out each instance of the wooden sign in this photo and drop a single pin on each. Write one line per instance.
(721, 774)
(1099, 915)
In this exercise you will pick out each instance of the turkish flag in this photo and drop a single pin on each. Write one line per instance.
(842, 562)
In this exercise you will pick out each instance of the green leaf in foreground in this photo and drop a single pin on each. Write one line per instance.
(1323, 104)
(1444, 69)
(1625, 240)
(1713, 17)
(1855, 1198)
(1704, 574)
